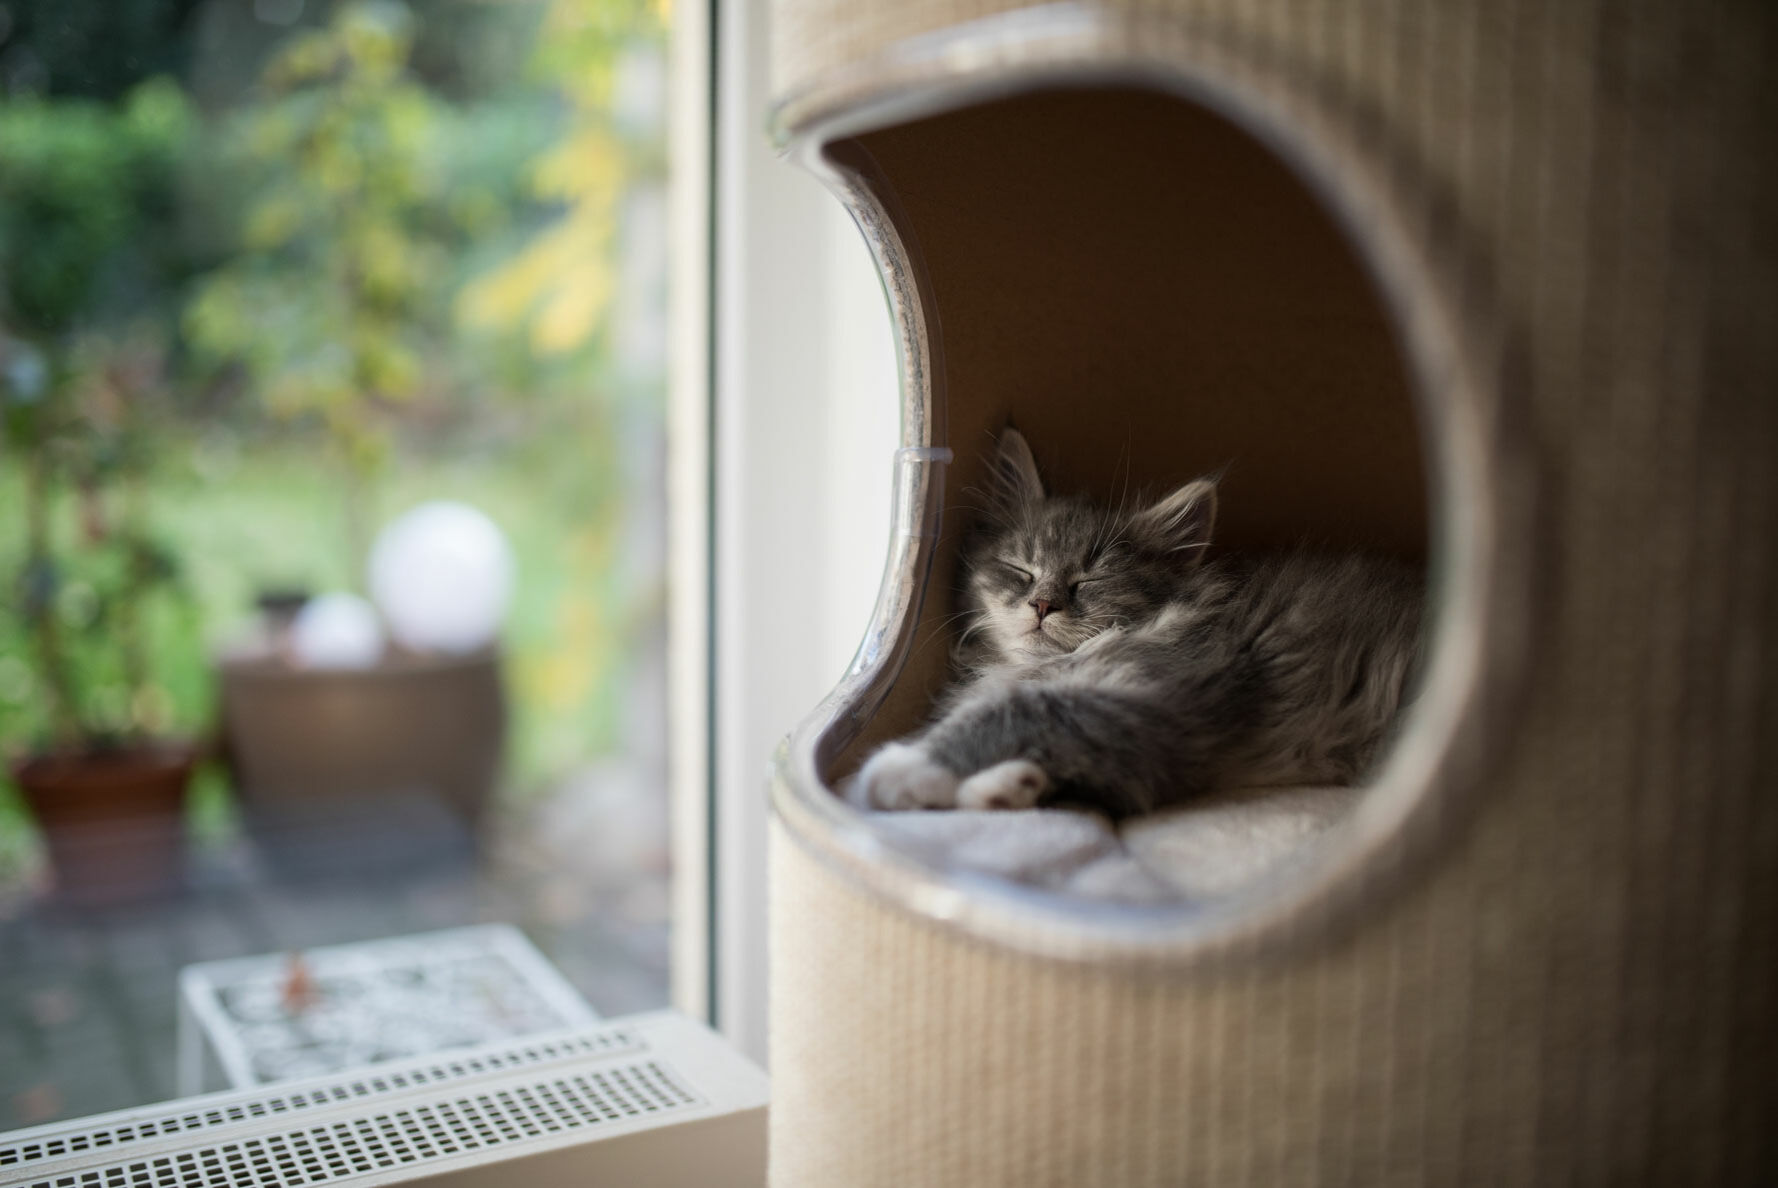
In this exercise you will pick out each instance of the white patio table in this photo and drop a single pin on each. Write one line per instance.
(324, 1010)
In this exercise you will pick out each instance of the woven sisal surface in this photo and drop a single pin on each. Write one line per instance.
(1580, 989)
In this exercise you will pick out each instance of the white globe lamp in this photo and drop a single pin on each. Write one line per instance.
(442, 575)
(336, 631)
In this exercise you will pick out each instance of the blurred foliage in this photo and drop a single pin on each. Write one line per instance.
(60, 48)
(560, 284)
(84, 189)
(341, 248)
(363, 227)
(94, 584)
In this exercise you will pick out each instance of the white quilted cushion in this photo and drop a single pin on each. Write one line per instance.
(1203, 850)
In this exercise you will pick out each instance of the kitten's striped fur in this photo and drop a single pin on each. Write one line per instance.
(1106, 663)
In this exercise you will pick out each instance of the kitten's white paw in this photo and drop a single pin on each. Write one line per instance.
(903, 776)
(1013, 784)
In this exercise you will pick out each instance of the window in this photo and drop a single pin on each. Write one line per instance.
(333, 343)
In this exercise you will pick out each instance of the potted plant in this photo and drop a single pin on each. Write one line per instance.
(89, 742)
(105, 780)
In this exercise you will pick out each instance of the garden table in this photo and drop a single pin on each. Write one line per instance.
(324, 1010)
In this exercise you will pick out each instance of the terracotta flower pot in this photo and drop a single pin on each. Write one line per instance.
(114, 820)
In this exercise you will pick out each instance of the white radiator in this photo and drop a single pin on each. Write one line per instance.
(653, 1099)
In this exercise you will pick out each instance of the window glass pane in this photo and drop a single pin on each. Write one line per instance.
(332, 341)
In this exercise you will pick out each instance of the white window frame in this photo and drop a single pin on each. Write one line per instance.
(688, 501)
(780, 497)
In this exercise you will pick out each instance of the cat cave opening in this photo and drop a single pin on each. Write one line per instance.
(1150, 294)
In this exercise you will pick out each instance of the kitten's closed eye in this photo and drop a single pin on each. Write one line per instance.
(1098, 574)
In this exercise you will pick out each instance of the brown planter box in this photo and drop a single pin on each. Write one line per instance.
(363, 768)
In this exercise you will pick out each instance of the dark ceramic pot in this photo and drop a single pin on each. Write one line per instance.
(114, 820)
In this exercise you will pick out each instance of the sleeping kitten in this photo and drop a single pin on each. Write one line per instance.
(1107, 664)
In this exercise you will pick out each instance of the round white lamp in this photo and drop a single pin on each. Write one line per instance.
(336, 631)
(442, 576)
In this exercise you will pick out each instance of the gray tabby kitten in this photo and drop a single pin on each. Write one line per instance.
(1107, 664)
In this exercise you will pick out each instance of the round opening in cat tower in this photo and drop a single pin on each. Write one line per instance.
(1150, 293)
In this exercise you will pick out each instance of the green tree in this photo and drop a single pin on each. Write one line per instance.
(330, 302)
(555, 293)
(558, 287)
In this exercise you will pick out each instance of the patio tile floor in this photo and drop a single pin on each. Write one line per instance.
(88, 999)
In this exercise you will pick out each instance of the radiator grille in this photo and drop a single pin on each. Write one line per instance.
(372, 1142)
(186, 1118)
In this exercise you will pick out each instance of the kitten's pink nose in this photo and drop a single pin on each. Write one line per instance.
(1042, 606)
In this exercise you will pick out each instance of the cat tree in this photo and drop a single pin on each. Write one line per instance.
(1489, 286)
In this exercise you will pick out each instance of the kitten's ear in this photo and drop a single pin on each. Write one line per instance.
(1016, 481)
(1182, 522)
